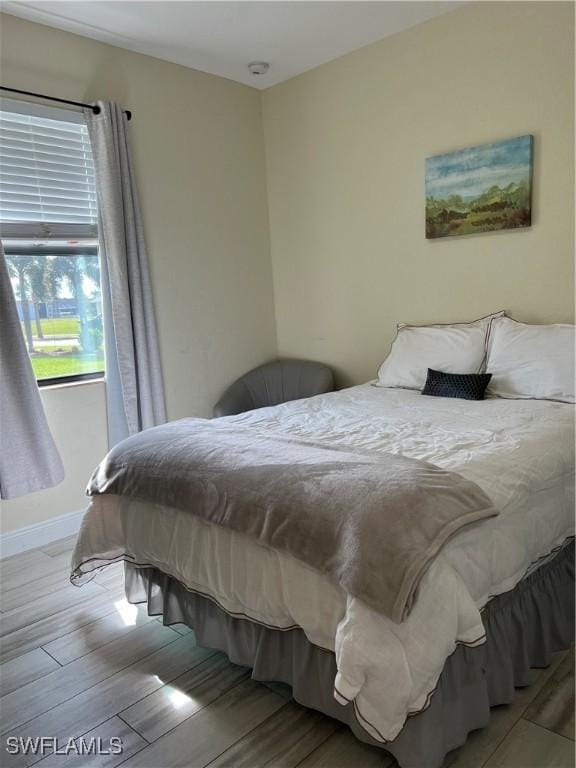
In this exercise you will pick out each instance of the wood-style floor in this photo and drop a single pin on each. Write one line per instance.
(83, 662)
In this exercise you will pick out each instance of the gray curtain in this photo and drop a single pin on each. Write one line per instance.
(134, 388)
(29, 459)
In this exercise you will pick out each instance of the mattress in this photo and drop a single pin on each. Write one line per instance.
(519, 452)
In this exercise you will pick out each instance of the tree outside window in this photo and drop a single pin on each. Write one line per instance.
(58, 297)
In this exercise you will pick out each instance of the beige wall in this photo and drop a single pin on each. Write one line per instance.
(198, 151)
(76, 414)
(346, 145)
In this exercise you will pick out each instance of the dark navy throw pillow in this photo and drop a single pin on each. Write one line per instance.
(468, 386)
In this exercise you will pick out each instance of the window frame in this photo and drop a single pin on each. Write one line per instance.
(77, 378)
(18, 238)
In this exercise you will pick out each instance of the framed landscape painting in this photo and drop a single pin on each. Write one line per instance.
(480, 189)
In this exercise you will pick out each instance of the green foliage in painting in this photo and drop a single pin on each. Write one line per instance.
(497, 208)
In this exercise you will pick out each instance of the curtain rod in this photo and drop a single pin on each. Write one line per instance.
(94, 107)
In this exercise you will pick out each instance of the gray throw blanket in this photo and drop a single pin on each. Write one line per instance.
(372, 522)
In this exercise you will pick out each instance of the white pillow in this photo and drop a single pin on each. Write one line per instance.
(531, 361)
(456, 348)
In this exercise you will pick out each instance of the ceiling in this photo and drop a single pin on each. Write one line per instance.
(223, 37)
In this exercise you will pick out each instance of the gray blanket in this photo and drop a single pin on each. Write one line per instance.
(372, 522)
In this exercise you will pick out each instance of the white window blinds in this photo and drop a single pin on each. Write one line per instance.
(47, 186)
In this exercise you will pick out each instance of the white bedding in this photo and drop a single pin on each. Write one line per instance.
(519, 452)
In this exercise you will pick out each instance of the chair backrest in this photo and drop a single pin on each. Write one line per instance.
(273, 383)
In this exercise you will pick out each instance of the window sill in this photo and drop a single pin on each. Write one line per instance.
(65, 384)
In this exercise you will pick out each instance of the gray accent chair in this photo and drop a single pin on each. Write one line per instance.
(273, 383)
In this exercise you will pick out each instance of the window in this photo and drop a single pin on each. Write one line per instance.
(48, 223)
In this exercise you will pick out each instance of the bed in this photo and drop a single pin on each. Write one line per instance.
(495, 600)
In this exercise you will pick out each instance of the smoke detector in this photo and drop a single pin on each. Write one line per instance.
(258, 67)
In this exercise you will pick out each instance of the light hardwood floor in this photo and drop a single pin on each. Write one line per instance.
(83, 662)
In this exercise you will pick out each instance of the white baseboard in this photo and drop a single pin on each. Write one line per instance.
(40, 534)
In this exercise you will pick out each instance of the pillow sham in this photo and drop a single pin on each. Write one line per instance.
(531, 361)
(455, 348)
(466, 386)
